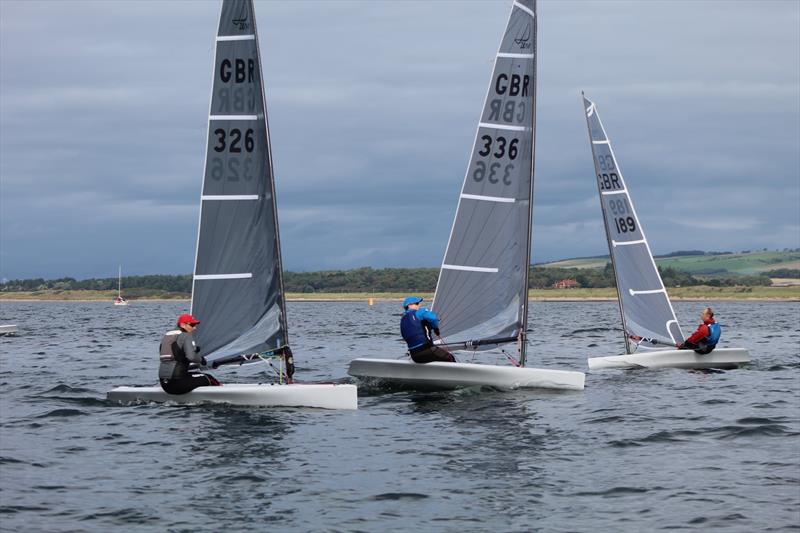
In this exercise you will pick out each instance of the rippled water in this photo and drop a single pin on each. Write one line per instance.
(636, 451)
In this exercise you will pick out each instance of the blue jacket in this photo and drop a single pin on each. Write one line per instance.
(414, 326)
(714, 333)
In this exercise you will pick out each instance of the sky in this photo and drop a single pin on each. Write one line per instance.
(373, 107)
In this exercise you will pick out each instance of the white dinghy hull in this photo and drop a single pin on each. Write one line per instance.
(457, 375)
(323, 396)
(723, 358)
(8, 329)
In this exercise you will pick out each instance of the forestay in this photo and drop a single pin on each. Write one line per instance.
(482, 289)
(647, 313)
(237, 290)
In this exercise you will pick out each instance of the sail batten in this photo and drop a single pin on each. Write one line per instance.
(237, 290)
(481, 292)
(648, 318)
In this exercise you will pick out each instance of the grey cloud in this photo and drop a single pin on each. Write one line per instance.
(373, 108)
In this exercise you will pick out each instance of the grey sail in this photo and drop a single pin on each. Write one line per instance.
(482, 289)
(647, 313)
(237, 291)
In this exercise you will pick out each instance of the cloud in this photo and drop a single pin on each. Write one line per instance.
(373, 108)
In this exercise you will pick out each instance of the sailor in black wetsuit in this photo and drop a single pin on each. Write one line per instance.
(177, 351)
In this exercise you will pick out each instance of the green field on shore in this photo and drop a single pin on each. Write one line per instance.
(701, 292)
(749, 263)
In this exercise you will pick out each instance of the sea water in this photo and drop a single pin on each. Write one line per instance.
(636, 451)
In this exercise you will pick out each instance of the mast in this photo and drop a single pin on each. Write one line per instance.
(523, 341)
(119, 283)
(605, 223)
(282, 294)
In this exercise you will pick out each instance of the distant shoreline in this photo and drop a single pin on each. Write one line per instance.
(698, 293)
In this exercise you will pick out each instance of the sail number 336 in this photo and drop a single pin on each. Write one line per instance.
(498, 148)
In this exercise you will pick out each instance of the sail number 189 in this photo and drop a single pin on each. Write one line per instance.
(625, 224)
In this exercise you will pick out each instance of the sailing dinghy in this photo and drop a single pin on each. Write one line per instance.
(237, 289)
(482, 292)
(119, 300)
(649, 325)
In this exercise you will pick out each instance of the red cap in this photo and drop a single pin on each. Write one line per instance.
(187, 319)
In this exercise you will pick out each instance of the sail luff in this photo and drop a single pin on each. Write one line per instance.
(655, 319)
(523, 341)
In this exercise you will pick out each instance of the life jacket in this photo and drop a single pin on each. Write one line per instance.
(413, 331)
(714, 333)
(174, 363)
(168, 350)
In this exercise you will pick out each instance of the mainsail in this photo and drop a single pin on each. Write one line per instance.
(482, 290)
(647, 315)
(237, 291)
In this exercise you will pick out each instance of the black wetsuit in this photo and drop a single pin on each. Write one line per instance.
(176, 352)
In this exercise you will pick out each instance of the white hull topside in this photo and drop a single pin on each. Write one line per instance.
(324, 396)
(723, 358)
(457, 375)
(8, 329)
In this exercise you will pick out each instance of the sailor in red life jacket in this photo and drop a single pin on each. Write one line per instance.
(707, 335)
(416, 326)
(177, 351)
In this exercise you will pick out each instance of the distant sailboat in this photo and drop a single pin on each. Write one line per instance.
(237, 289)
(649, 325)
(482, 292)
(119, 300)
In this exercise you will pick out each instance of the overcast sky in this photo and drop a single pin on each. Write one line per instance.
(373, 108)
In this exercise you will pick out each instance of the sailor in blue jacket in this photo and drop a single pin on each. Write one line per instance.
(416, 326)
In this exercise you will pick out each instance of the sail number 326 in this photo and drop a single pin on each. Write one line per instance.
(232, 140)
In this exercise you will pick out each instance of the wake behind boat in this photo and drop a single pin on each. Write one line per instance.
(237, 287)
(482, 291)
(649, 325)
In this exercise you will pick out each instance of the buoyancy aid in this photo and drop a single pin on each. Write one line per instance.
(174, 363)
(413, 330)
(714, 333)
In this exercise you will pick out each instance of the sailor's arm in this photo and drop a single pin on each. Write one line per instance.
(700, 334)
(190, 348)
(429, 318)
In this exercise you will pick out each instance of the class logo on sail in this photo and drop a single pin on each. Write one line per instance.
(241, 22)
(524, 42)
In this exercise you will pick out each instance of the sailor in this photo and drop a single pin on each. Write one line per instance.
(177, 352)
(707, 335)
(416, 326)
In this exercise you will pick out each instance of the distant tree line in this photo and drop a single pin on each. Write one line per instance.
(684, 253)
(381, 280)
(784, 273)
